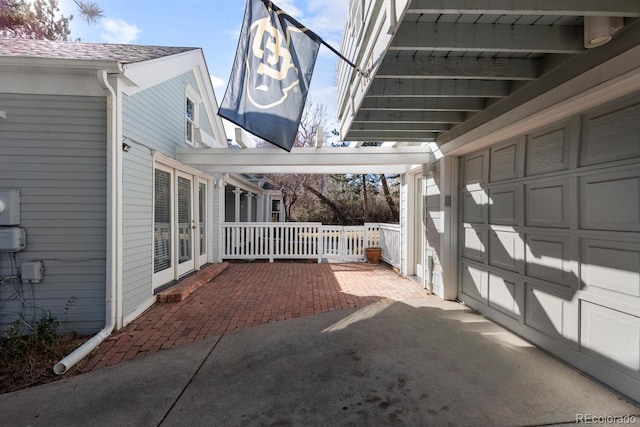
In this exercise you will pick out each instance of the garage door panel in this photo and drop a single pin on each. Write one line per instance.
(610, 201)
(474, 244)
(475, 205)
(552, 315)
(611, 134)
(547, 204)
(611, 335)
(506, 295)
(474, 282)
(551, 258)
(505, 205)
(505, 161)
(611, 265)
(506, 250)
(475, 170)
(548, 150)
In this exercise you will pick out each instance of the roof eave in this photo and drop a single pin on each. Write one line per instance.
(62, 63)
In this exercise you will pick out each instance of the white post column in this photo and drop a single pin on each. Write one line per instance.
(260, 207)
(449, 209)
(249, 200)
(236, 211)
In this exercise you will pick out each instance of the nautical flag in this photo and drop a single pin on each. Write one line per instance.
(271, 74)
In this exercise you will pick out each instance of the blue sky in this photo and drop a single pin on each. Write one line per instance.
(214, 26)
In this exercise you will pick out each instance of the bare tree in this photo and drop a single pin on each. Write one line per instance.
(42, 18)
(395, 216)
(339, 215)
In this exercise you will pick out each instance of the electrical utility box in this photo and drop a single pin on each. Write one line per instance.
(32, 271)
(12, 239)
(9, 207)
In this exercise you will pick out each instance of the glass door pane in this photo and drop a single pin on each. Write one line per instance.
(162, 221)
(202, 215)
(185, 218)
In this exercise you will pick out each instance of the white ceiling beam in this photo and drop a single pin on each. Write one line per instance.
(630, 8)
(377, 135)
(488, 38)
(409, 117)
(430, 67)
(305, 160)
(424, 104)
(401, 127)
(439, 88)
(303, 169)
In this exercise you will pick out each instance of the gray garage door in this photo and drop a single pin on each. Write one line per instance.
(550, 240)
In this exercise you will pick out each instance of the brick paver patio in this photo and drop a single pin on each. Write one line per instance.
(250, 294)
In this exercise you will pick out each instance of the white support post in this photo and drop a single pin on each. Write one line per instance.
(449, 208)
(260, 217)
(319, 245)
(271, 242)
(236, 212)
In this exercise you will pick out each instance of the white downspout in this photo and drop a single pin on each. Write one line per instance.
(114, 241)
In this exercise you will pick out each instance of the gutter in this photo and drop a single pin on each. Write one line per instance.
(114, 227)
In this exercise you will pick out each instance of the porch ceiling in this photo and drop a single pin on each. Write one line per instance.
(446, 67)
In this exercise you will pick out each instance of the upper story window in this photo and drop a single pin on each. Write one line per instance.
(191, 116)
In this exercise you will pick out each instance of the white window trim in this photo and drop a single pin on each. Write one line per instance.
(191, 94)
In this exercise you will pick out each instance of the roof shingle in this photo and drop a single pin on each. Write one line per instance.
(122, 53)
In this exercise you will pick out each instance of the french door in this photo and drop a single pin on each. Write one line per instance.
(180, 224)
(186, 223)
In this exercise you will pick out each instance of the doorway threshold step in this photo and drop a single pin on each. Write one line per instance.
(189, 284)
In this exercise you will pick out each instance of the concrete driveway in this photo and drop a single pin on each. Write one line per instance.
(417, 362)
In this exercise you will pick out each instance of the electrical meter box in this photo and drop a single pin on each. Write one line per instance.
(12, 239)
(9, 207)
(32, 271)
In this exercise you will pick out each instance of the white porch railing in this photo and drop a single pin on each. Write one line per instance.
(291, 240)
(390, 244)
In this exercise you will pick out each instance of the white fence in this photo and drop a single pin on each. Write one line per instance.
(390, 244)
(291, 240)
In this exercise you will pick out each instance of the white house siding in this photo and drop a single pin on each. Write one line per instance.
(137, 229)
(153, 119)
(205, 122)
(53, 149)
(550, 239)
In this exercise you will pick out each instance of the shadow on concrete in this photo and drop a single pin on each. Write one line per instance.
(416, 362)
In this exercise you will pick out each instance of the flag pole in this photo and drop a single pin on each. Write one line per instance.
(270, 6)
(354, 66)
